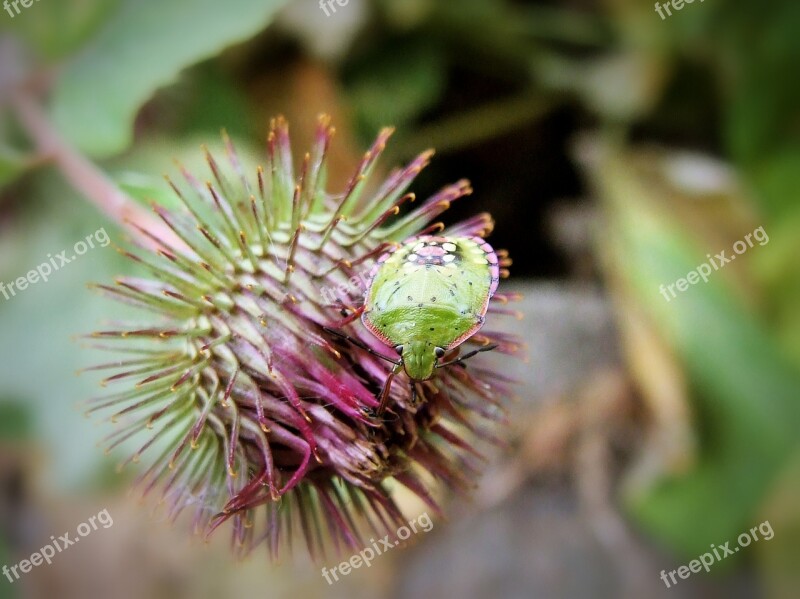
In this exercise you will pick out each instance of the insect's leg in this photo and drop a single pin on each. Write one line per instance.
(413, 393)
(358, 343)
(467, 356)
(386, 388)
(348, 312)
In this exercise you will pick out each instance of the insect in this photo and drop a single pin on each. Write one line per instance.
(427, 297)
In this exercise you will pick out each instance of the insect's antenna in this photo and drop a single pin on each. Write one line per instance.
(386, 388)
(467, 356)
(358, 343)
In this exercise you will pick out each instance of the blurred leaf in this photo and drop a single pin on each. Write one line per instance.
(759, 45)
(779, 270)
(756, 45)
(619, 87)
(16, 422)
(395, 87)
(744, 388)
(7, 591)
(778, 558)
(56, 29)
(14, 160)
(471, 127)
(39, 356)
(143, 46)
(564, 25)
(485, 35)
(761, 127)
(776, 177)
(140, 172)
(209, 101)
(12, 164)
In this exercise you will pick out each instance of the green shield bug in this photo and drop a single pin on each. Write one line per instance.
(428, 296)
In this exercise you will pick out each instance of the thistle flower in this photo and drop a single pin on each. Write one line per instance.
(250, 410)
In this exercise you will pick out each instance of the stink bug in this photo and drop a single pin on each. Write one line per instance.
(428, 296)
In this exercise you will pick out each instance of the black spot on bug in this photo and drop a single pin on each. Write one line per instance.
(433, 299)
(433, 328)
(411, 299)
(419, 305)
(470, 282)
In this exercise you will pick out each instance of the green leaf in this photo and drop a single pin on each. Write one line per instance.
(140, 172)
(39, 322)
(777, 559)
(744, 388)
(209, 100)
(142, 47)
(397, 86)
(12, 164)
(16, 422)
(7, 591)
(53, 30)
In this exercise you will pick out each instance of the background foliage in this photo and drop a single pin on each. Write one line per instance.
(679, 135)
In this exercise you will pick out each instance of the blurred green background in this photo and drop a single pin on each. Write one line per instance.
(616, 150)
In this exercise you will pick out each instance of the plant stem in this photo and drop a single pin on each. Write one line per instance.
(86, 177)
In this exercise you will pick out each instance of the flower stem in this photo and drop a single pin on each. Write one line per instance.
(86, 177)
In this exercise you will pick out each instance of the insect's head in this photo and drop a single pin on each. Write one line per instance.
(419, 358)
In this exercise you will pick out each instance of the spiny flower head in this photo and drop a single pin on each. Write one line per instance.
(248, 407)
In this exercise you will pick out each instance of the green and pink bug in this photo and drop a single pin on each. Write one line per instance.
(425, 298)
